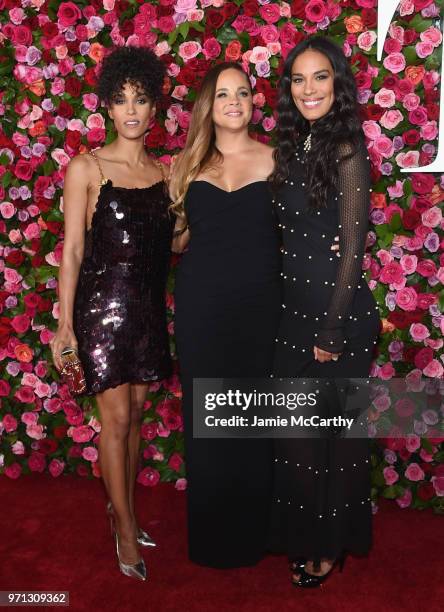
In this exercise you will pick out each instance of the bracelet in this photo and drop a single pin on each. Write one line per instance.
(177, 233)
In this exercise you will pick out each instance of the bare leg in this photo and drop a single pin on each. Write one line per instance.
(115, 408)
(324, 568)
(138, 396)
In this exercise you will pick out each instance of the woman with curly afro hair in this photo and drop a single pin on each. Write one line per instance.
(112, 281)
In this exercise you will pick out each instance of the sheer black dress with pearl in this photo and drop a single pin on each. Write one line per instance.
(228, 300)
(321, 503)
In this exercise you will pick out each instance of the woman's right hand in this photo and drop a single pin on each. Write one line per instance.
(64, 338)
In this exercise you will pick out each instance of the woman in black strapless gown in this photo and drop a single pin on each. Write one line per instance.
(112, 282)
(227, 308)
(329, 326)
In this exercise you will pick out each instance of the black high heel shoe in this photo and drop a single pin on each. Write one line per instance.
(310, 581)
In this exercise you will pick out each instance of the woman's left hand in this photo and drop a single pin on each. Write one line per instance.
(322, 356)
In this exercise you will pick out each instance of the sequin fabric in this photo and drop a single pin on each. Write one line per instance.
(120, 308)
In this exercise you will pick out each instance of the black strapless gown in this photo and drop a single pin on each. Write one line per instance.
(321, 502)
(228, 302)
(120, 308)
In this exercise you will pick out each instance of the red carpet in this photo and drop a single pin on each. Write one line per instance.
(54, 535)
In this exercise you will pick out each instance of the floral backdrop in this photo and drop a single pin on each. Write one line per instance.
(49, 55)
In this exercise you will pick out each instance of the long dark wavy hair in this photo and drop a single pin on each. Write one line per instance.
(340, 125)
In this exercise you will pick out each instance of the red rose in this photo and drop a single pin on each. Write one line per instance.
(23, 170)
(426, 268)
(251, 8)
(369, 17)
(60, 431)
(73, 87)
(426, 491)
(5, 330)
(423, 357)
(50, 29)
(230, 10)
(90, 77)
(233, 51)
(409, 354)
(215, 19)
(68, 14)
(73, 139)
(432, 111)
(127, 28)
(411, 219)
(15, 258)
(411, 138)
(96, 136)
(421, 204)
(186, 77)
(65, 110)
(425, 300)
(399, 319)
(40, 186)
(22, 36)
(373, 112)
(410, 36)
(298, 9)
(156, 137)
(422, 183)
(47, 446)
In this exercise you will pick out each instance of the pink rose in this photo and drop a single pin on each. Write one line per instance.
(90, 453)
(408, 160)
(7, 210)
(189, 49)
(35, 431)
(90, 101)
(390, 475)
(259, 54)
(414, 472)
(56, 467)
(316, 11)
(395, 62)
(411, 102)
(9, 423)
(418, 116)
(429, 131)
(406, 299)
(82, 434)
(175, 462)
(426, 268)
(432, 35)
(391, 273)
(148, 477)
(270, 13)
(390, 119)
(211, 48)
(37, 462)
(419, 332)
(405, 500)
(412, 443)
(438, 485)
(68, 14)
(20, 323)
(432, 217)
(366, 40)
(42, 389)
(13, 471)
(434, 369)
(424, 49)
(269, 123)
(408, 263)
(371, 129)
(269, 34)
(386, 371)
(95, 120)
(384, 146)
(181, 484)
(385, 98)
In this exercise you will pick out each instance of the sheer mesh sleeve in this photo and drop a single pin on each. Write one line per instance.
(353, 206)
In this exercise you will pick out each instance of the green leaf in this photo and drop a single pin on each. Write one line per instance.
(395, 222)
(420, 24)
(184, 28)
(411, 56)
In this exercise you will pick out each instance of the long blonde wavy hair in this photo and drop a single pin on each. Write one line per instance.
(200, 150)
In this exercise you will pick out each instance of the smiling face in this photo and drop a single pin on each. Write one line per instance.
(132, 111)
(233, 102)
(312, 84)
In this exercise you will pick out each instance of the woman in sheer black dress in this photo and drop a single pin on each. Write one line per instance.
(321, 505)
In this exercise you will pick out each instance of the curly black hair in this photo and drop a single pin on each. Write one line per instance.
(340, 125)
(138, 66)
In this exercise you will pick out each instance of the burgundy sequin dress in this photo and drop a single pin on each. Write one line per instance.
(120, 310)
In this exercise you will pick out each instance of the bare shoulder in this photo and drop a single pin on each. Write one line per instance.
(264, 157)
(80, 168)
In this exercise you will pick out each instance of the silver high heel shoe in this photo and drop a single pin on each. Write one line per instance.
(142, 536)
(138, 570)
